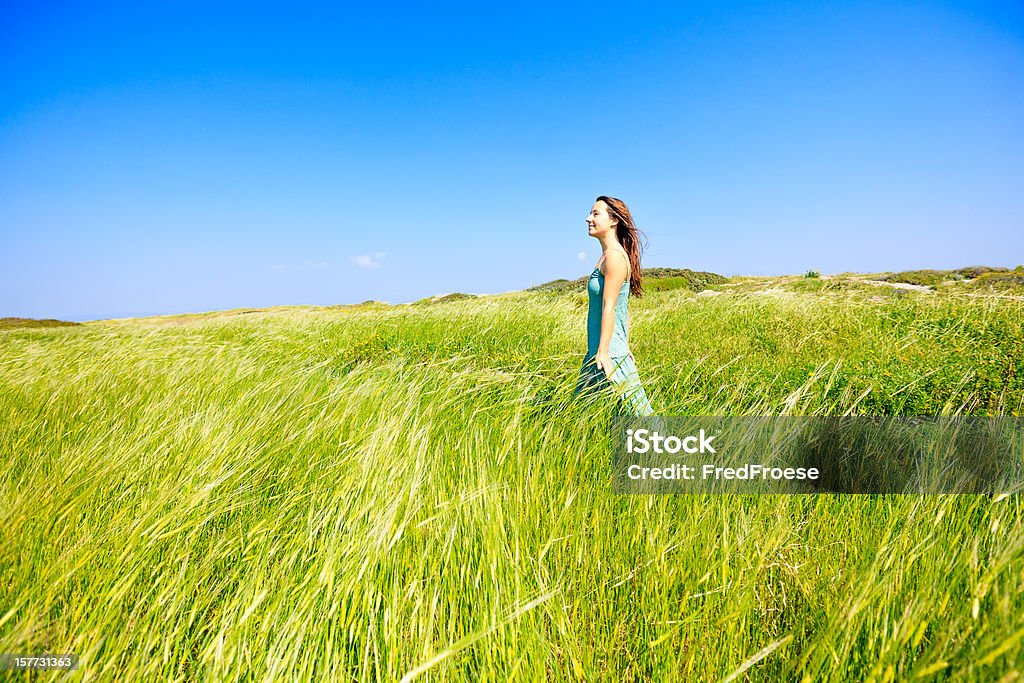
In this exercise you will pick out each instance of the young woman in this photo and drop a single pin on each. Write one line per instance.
(609, 362)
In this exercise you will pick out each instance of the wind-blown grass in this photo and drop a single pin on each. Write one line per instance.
(392, 493)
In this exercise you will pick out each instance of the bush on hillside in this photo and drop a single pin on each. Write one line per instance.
(12, 323)
(975, 271)
(655, 279)
(1006, 283)
(935, 277)
(454, 296)
(919, 277)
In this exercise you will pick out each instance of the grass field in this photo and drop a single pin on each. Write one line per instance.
(406, 492)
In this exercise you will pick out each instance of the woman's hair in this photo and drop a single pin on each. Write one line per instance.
(629, 237)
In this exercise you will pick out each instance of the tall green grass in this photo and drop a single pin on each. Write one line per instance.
(410, 493)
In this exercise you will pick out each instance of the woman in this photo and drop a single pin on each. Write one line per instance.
(608, 362)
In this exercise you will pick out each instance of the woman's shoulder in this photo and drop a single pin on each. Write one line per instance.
(604, 257)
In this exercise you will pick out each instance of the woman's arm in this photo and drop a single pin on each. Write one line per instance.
(615, 271)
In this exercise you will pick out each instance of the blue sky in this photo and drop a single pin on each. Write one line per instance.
(184, 158)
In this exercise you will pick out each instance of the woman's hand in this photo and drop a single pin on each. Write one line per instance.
(604, 362)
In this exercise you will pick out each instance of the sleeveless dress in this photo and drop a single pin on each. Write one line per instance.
(625, 379)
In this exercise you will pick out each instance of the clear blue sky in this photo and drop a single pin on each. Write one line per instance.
(189, 158)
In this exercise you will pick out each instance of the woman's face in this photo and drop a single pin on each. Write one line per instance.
(599, 222)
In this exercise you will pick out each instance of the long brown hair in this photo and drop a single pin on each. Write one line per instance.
(629, 237)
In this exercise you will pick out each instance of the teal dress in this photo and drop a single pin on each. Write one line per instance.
(625, 380)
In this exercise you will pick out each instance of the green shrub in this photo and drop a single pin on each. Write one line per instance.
(655, 279)
(975, 271)
(12, 323)
(454, 296)
(562, 285)
(806, 284)
(1004, 282)
(698, 279)
(663, 284)
(935, 277)
(918, 277)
